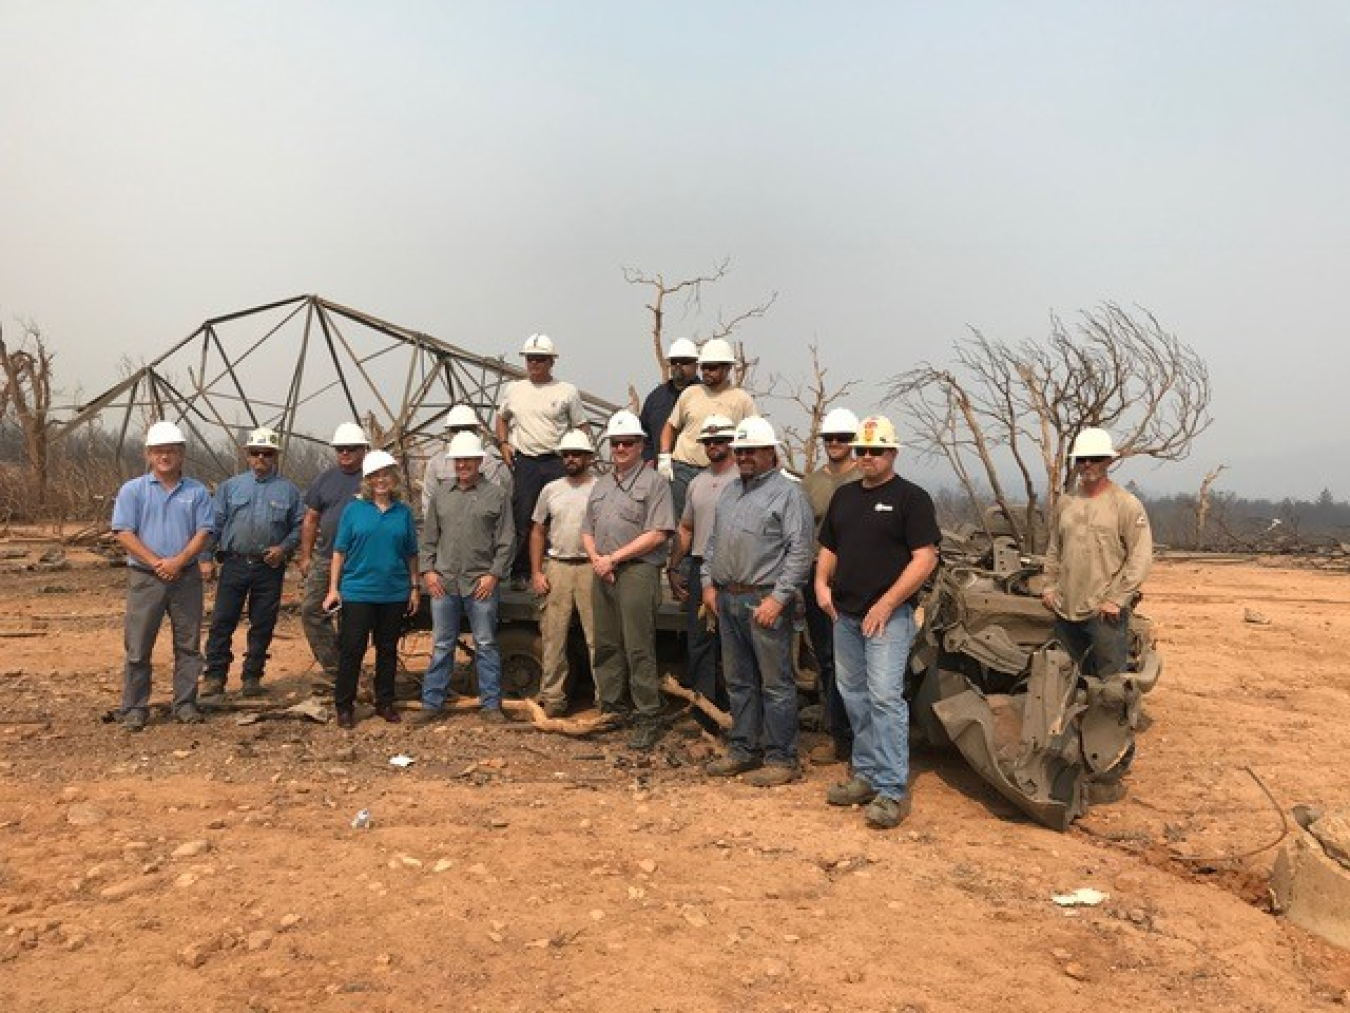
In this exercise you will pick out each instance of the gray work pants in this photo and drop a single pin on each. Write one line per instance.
(318, 626)
(148, 600)
(625, 640)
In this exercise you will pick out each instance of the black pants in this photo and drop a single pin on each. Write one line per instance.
(530, 475)
(360, 622)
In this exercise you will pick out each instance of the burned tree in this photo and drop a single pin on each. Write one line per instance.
(1005, 411)
(26, 399)
(814, 398)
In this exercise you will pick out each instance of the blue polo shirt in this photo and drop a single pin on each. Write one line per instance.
(165, 520)
(375, 546)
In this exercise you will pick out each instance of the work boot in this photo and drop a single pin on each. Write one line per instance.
(346, 717)
(134, 718)
(492, 716)
(771, 775)
(886, 813)
(645, 736)
(854, 791)
(253, 686)
(389, 713)
(731, 765)
(427, 716)
(188, 714)
(212, 686)
(555, 709)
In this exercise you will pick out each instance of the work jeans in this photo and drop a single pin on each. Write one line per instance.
(259, 585)
(821, 630)
(317, 624)
(149, 599)
(679, 486)
(446, 613)
(569, 590)
(871, 678)
(703, 672)
(361, 622)
(757, 663)
(1099, 647)
(529, 475)
(625, 639)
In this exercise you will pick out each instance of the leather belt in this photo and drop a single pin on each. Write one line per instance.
(569, 560)
(733, 588)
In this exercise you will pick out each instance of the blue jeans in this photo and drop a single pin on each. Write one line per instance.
(870, 673)
(679, 488)
(821, 629)
(1098, 647)
(445, 618)
(757, 663)
(260, 586)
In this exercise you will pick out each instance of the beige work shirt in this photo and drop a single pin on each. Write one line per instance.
(1101, 548)
(696, 403)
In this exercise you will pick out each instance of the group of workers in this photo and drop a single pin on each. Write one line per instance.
(696, 495)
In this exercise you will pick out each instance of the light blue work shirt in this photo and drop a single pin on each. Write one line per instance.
(253, 514)
(165, 520)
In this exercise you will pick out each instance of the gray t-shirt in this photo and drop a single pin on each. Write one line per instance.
(623, 507)
(329, 495)
(562, 505)
(700, 505)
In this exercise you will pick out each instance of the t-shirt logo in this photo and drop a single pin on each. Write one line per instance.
(883, 508)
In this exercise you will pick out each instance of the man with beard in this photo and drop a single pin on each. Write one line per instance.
(683, 362)
(558, 565)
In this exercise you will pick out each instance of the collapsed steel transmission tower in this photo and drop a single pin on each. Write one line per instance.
(301, 366)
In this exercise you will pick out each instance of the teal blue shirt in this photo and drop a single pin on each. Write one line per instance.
(376, 547)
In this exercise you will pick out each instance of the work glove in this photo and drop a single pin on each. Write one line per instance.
(665, 467)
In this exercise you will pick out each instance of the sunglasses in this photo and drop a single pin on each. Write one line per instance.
(538, 358)
(713, 365)
(742, 451)
(870, 451)
(836, 438)
(348, 450)
(623, 443)
(575, 453)
(717, 441)
(683, 362)
(262, 453)
(1092, 460)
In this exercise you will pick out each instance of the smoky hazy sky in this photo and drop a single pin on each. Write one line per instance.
(896, 171)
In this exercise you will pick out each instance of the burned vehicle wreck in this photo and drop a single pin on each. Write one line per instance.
(987, 677)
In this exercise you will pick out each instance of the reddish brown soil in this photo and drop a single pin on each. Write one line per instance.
(214, 867)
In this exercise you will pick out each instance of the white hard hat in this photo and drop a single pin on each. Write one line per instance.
(465, 445)
(1093, 443)
(575, 439)
(538, 344)
(716, 350)
(839, 421)
(716, 427)
(461, 415)
(349, 434)
(682, 348)
(876, 431)
(754, 432)
(162, 434)
(622, 424)
(264, 438)
(377, 460)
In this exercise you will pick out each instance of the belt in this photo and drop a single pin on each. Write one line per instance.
(538, 457)
(244, 558)
(569, 560)
(733, 588)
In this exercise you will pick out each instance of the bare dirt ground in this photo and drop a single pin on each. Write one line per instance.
(215, 868)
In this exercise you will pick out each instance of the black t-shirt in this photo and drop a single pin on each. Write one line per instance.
(874, 532)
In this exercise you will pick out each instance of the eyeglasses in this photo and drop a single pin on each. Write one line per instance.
(348, 450)
(713, 365)
(742, 451)
(623, 443)
(836, 437)
(258, 452)
(870, 451)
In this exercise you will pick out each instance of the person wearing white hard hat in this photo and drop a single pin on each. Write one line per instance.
(532, 416)
(682, 360)
(837, 431)
(257, 522)
(878, 546)
(325, 499)
(1100, 552)
(164, 521)
(468, 538)
(560, 570)
(682, 456)
(461, 418)
(703, 663)
(373, 581)
(755, 561)
(628, 519)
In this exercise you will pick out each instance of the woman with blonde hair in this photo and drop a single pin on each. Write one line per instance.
(374, 582)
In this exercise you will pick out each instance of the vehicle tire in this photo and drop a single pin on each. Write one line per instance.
(522, 661)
